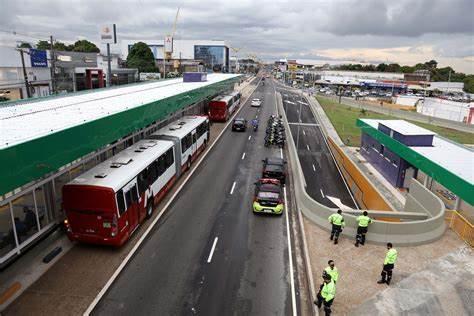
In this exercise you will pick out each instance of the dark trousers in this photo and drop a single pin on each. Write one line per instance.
(335, 231)
(322, 302)
(387, 272)
(360, 238)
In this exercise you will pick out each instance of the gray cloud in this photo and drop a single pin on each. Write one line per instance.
(273, 29)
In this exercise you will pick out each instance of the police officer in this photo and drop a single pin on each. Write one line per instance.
(326, 295)
(337, 222)
(332, 271)
(388, 264)
(363, 224)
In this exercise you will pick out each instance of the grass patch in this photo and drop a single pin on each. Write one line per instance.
(344, 119)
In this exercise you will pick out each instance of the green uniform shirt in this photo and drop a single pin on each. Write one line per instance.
(328, 291)
(333, 273)
(363, 220)
(391, 256)
(336, 219)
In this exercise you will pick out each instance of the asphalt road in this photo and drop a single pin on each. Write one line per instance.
(249, 268)
(321, 174)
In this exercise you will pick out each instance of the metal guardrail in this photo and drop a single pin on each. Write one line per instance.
(461, 226)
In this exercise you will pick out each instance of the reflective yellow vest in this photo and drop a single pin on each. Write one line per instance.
(391, 256)
(363, 220)
(336, 219)
(328, 291)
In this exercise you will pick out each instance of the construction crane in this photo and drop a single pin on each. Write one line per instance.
(169, 37)
(173, 31)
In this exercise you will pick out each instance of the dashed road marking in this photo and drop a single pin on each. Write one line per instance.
(212, 250)
(322, 193)
(314, 168)
(233, 187)
(250, 137)
(307, 146)
(243, 156)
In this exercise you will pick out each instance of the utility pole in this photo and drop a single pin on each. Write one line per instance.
(109, 67)
(25, 75)
(53, 66)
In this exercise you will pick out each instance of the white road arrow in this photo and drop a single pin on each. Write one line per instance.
(338, 203)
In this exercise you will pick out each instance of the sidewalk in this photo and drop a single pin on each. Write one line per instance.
(68, 284)
(391, 194)
(360, 268)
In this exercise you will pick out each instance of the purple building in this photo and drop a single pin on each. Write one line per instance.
(395, 169)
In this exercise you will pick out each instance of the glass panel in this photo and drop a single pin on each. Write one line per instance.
(25, 217)
(59, 182)
(7, 240)
(42, 208)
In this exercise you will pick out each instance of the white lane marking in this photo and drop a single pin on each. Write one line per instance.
(322, 193)
(250, 137)
(303, 102)
(281, 153)
(145, 234)
(304, 133)
(288, 101)
(243, 156)
(307, 146)
(314, 168)
(290, 256)
(233, 187)
(212, 250)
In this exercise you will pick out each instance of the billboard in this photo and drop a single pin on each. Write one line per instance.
(108, 34)
(38, 58)
(168, 44)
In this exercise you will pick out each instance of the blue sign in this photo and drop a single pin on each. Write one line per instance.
(38, 58)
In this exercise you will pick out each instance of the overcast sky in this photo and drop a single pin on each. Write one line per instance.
(403, 31)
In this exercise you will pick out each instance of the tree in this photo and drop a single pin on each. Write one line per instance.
(43, 45)
(25, 45)
(141, 57)
(469, 84)
(432, 64)
(85, 46)
(381, 67)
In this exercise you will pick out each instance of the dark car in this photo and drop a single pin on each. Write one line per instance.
(239, 125)
(274, 172)
(274, 161)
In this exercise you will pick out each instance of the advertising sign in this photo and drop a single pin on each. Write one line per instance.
(108, 34)
(38, 58)
(168, 44)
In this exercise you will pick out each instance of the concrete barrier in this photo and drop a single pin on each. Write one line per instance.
(402, 233)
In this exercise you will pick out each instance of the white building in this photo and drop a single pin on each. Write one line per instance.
(446, 109)
(445, 86)
(214, 54)
(12, 79)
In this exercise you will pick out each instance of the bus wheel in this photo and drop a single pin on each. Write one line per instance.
(149, 208)
(188, 164)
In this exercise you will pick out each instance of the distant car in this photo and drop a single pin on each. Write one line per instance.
(274, 161)
(274, 172)
(239, 125)
(256, 103)
(268, 197)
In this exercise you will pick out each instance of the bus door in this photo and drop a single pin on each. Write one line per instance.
(194, 145)
(132, 203)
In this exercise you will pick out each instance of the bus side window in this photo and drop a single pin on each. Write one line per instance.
(128, 198)
(120, 202)
(169, 158)
(142, 181)
(183, 145)
(153, 172)
(134, 193)
(161, 165)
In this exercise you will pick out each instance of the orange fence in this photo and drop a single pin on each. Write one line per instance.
(362, 189)
(461, 226)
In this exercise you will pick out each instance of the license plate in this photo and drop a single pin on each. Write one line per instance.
(266, 210)
(106, 225)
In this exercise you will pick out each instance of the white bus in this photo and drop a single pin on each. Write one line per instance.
(190, 135)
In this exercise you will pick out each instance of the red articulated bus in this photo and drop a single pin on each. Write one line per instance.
(222, 107)
(106, 204)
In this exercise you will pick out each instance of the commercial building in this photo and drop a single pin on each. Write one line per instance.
(401, 151)
(12, 79)
(447, 109)
(212, 54)
(41, 150)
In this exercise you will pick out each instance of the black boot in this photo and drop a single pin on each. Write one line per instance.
(381, 281)
(335, 241)
(332, 236)
(389, 279)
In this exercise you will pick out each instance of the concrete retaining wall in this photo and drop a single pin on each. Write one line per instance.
(380, 232)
